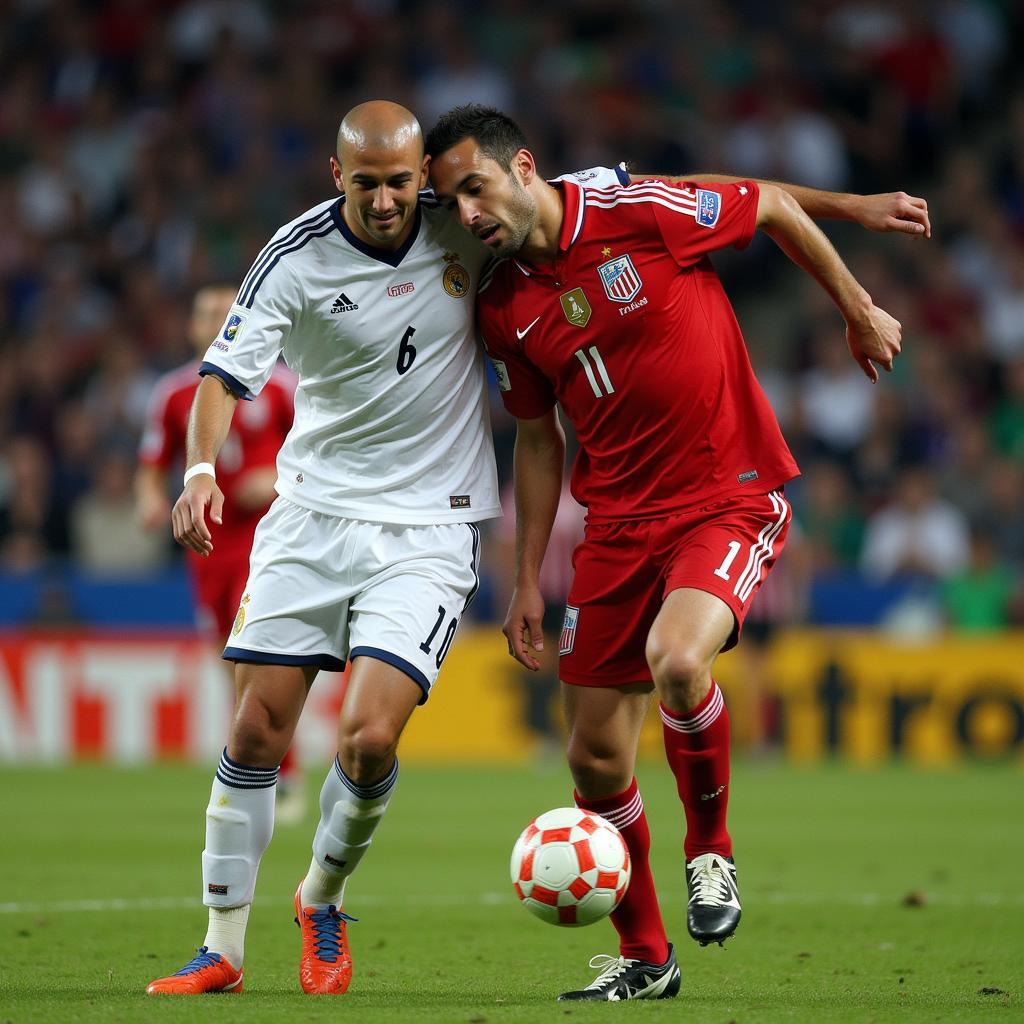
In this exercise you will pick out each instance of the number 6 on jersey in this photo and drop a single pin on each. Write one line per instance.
(406, 351)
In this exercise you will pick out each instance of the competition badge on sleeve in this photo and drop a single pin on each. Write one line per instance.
(709, 204)
(232, 327)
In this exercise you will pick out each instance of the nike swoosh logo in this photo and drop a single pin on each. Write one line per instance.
(520, 334)
(734, 893)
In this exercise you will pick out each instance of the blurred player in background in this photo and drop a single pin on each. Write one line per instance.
(247, 466)
(608, 305)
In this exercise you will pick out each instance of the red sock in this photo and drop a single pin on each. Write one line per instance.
(637, 918)
(697, 748)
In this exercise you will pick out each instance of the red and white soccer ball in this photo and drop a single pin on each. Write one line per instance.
(570, 867)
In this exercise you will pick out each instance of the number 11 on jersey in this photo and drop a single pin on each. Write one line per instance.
(589, 363)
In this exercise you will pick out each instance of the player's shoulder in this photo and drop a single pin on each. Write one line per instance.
(641, 207)
(435, 218)
(703, 202)
(650, 191)
(292, 241)
(321, 215)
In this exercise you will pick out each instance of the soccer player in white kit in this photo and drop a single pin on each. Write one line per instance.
(370, 552)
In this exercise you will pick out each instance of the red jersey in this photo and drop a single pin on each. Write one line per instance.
(257, 431)
(631, 331)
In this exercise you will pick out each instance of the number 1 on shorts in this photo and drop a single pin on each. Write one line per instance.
(734, 550)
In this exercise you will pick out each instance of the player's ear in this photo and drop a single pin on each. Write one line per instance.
(525, 165)
(339, 181)
(424, 171)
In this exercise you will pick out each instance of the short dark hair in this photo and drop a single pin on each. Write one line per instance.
(498, 136)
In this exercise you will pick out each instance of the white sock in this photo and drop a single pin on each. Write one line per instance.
(320, 888)
(225, 934)
(239, 824)
(349, 813)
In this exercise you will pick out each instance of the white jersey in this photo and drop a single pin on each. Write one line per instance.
(391, 417)
(391, 414)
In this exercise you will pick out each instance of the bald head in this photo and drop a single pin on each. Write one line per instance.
(380, 167)
(379, 127)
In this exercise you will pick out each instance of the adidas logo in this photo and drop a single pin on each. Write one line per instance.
(343, 304)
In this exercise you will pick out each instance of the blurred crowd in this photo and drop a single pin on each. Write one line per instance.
(147, 148)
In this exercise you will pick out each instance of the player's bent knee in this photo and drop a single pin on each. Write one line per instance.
(678, 671)
(366, 752)
(254, 741)
(598, 773)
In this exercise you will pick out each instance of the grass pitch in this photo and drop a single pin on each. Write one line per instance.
(889, 895)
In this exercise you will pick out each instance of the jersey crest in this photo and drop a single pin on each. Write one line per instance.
(620, 279)
(456, 281)
(575, 307)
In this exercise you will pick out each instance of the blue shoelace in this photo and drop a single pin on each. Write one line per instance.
(204, 959)
(326, 932)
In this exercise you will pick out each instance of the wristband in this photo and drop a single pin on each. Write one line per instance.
(198, 469)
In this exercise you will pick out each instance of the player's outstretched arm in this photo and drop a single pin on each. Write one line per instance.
(208, 425)
(872, 335)
(883, 211)
(537, 478)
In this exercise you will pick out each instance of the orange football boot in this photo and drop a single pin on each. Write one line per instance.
(206, 972)
(325, 966)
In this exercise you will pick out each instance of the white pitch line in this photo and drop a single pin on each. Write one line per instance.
(866, 899)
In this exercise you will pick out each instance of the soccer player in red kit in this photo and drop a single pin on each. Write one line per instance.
(246, 472)
(608, 304)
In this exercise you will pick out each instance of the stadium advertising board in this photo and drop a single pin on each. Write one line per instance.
(67, 695)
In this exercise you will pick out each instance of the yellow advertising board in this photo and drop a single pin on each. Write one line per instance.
(868, 698)
(858, 696)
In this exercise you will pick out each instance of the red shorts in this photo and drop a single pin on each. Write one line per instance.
(218, 583)
(624, 571)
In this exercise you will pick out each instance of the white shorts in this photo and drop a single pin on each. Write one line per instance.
(323, 590)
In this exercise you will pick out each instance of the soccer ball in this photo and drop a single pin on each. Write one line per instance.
(570, 867)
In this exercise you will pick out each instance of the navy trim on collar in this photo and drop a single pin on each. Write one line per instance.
(392, 257)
